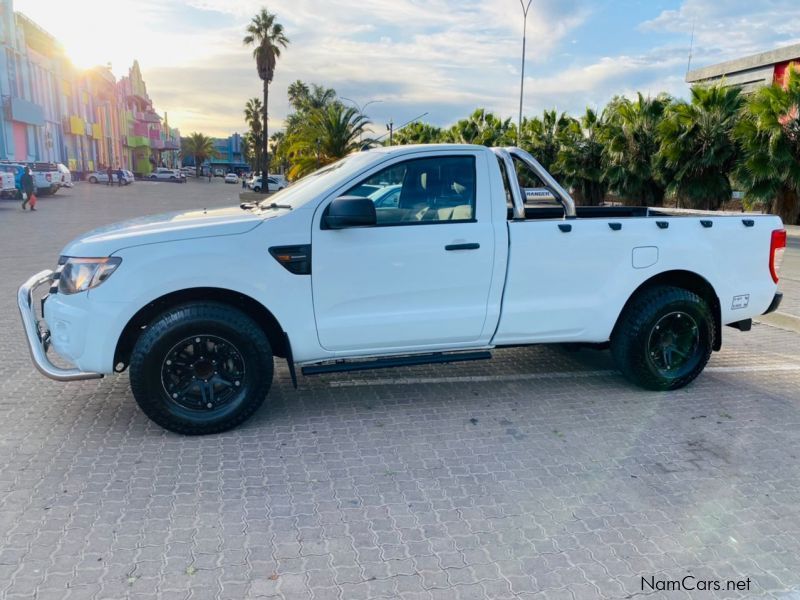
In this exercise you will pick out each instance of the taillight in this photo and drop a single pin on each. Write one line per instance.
(777, 247)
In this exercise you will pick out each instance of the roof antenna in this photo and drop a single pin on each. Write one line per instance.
(691, 47)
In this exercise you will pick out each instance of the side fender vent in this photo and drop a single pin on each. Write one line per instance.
(296, 259)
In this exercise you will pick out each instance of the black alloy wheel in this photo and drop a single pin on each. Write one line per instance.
(203, 372)
(663, 338)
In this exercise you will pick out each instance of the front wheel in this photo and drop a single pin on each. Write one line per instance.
(92, 179)
(664, 338)
(201, 368)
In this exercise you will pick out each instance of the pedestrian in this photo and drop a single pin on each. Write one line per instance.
(209, 175)
(28, 189)
(110, 172)
(120, 175)
(244, 181)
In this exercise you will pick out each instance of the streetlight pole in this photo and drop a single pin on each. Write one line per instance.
(522, 76)
(360, 110)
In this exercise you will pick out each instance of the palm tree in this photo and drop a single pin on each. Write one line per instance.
(481, 127)
(540, 137)
(631, 144)
(769, 132)
(327, 134)
(305, 99)
(698, 150)
(279, 147)
(253, 112)
(580, 158)
(247, 149)
(267, 37)
(198, 146)
(418, 133)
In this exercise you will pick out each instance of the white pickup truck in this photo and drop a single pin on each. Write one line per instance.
(197, 304)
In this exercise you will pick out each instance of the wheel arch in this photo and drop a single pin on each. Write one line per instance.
(688, 280)
(253, 308)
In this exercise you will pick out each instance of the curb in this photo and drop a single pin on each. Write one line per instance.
(780, 320)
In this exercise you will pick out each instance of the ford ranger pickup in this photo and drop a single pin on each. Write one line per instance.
(195, 305)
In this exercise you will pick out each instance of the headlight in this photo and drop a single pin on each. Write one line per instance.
(81, 274)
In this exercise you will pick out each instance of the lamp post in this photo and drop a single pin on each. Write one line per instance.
(525, 8)
(360, 110)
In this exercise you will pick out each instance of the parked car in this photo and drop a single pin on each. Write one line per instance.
(102, 177)
(46, 177)
(219, 173)
(8, 185)
(231, 178)
(163, 173)
(66, 175)
(458, 267)
(387, 196)
(15, 170)
(273, 185)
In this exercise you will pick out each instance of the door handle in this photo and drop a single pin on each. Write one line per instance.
(471, 246)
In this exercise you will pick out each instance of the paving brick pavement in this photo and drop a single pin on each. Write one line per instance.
(541, 474)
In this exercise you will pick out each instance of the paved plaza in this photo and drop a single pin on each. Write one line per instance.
(541, 474)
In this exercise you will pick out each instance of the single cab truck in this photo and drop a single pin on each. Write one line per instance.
(196, 304)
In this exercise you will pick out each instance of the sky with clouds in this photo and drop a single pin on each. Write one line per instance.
(441, 57)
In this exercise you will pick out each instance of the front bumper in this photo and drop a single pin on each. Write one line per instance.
(39, 337)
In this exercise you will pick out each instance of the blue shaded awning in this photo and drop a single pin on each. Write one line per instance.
(26, 112)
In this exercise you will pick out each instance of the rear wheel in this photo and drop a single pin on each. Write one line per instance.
(92, 179)
(664, 338)
(201, 368)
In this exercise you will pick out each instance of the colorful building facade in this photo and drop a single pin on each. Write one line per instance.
(85, 119)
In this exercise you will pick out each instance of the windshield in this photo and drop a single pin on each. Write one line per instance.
(318, 182)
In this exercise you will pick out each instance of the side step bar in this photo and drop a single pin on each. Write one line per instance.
(394, 361)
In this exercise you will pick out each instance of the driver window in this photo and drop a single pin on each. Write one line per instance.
(420, 191)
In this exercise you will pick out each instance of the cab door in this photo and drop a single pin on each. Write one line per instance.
(420, 277)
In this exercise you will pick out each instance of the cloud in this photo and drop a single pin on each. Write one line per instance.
(443, 57)
(438, 56)
(730, 29)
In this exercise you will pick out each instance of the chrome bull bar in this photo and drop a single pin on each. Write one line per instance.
(38, 339)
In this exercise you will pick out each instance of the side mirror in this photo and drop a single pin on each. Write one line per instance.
(350, 211)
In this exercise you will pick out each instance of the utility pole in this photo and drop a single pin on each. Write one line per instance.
(390, 129)
(522, 76)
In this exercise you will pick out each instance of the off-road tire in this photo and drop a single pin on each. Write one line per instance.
(149, 357)
(633, 333)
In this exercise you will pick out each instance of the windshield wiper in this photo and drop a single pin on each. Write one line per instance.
(276, 205)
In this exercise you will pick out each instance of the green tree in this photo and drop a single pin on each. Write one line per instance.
(247, 149)
(631, 145)
(198, 146)
(326, 135)
(769, 132)
(580, 158)
(280, 154)
(418, 133)
(481, 127)
(698, 150)
(267, 37)
(253, 113)
(541, 137)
